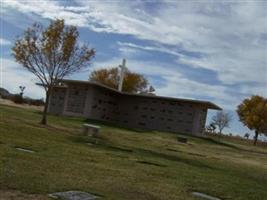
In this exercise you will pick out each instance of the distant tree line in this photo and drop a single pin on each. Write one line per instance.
(19, 98)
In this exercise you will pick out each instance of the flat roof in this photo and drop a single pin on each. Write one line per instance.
(209, 104)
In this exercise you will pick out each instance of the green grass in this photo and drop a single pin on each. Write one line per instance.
(124, 164)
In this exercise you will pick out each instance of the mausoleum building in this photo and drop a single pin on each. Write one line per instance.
(98, 102)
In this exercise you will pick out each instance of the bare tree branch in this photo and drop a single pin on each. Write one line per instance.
(51, 54)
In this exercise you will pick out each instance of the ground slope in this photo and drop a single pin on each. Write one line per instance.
(123, 164)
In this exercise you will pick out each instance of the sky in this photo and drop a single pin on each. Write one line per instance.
(206, 50)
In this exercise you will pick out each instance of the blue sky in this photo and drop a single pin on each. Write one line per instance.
(207, 50)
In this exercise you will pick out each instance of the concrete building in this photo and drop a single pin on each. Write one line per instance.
(98, 102)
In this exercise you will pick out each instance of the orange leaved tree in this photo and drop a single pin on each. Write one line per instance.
(133, 82)
(253, 113)
(51, 54)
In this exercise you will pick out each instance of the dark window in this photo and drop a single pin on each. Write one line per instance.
(144, 116)
(142, 123)
(136, 107)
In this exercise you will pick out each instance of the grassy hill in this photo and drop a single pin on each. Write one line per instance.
(123, 164)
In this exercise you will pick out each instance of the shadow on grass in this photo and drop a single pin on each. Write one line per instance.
(113, 125)
(213, 141)
(194, 163)
(99, 143)
(39, 112)
(151, 163)
(106, 146)
(193, 154)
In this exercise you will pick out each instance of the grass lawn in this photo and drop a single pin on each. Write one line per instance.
(123, 164)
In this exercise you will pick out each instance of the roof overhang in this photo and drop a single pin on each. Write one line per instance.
(207, 104)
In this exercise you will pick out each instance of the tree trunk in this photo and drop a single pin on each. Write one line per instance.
(256, 137)
(220, 133)
(44, 118)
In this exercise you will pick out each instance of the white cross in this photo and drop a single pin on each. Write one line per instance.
(123, 69)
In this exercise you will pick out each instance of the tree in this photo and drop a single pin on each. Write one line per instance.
(133, 82)
(246, 135)
(22, 88)
(252, 113)
(51, 54)
(211, 128)
(221, 120)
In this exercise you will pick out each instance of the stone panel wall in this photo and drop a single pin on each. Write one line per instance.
(157, 114)
(104, 106)
(99, 103)
(76, 98)
(56, 101)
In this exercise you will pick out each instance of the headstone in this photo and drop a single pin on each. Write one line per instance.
(73, 195)
(182, 139)
(204, 196)
(25, 150)
(91, 129)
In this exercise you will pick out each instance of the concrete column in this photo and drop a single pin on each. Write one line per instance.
(196, 122)
(66, 101)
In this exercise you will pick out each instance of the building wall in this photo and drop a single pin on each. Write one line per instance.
(56, 101)
(76, 99)
(157, 114)
(104, 106)
(95, 102)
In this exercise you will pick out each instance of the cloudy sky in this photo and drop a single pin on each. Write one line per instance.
(208, 50)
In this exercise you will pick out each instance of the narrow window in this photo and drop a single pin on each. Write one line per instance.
(135, 107)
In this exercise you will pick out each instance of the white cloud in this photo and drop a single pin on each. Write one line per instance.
(126, 46)
(175, 84)
(13, 75)
(227, 35)
(4, 42)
